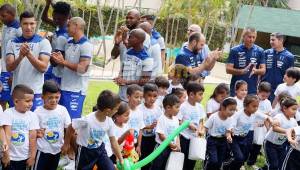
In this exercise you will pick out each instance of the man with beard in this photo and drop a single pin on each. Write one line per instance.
(188, 55)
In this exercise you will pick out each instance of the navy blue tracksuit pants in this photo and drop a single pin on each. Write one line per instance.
(291, 161)
(275, 155)
(216, 151)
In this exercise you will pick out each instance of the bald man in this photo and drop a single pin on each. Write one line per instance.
(203, 53)
(154, 50)
(189, 55)
(120, 45)
(137, 65)
(78, 55)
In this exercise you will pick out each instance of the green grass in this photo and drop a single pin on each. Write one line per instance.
(95, 87)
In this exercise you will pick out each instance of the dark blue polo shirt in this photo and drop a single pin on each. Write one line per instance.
(276, 65)
(187, 58)
(240, 57)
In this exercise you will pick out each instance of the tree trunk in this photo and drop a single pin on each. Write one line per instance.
(100, 20)
(167, 31)
(211, 33)
(89, 25)
(172, 31)
(176, 33)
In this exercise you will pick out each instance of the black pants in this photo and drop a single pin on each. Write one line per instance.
(291, 161)
(160, 162)
(254, 152)
(275, 155)
(216, 150)
(185, 146)
(87, 158)
(16, 165)
(147, 147)
(46, 161)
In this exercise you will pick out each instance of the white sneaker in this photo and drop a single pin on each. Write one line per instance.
(64, 161)
(70, 166)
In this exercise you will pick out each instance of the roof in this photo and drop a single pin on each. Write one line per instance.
(270, 20)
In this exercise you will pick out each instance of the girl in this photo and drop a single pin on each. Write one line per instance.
(217, 126)
(176, 76)
(276, 142)
(180, 93)
(242, 130)
(219, 94)
(241, 91)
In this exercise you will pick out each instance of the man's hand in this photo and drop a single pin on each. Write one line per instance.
(58, 58)
(212, 57)
(120, 81)
(23, 50)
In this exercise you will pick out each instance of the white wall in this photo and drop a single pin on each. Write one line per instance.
(294, 4)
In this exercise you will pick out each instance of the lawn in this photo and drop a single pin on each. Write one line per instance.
(95, 87)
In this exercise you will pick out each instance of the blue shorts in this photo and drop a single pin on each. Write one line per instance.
(50, 76)
(73, 101)
(5, 94)
(46, 161)
(37, 101)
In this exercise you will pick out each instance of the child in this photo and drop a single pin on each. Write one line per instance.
(163, 85)
(176, 74)
(241, 91)
(291, 77)
(192, 110)
(136, 67)
(263, 92)
(219, 94)
(291, 161)
(91, 130)
(217, 126)
(53, 121)
(22, 125)
(11, 30)
(151, 113)
(276, 142)
(192, 78)
(121, 127)
(180, 93)
(242, 127)
(166, 125)
(136, 120)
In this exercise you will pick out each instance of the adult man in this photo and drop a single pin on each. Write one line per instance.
(78, 55)
(11, 30)
(189, 55)
(61, 14)
(203, 53)
(278, 60)
(28, 57)
(246, 62)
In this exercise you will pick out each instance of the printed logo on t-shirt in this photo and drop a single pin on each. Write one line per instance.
(52, 136)
(246, 128)
(281, 138)
(221, 130)
(92, 143)
(96, 136)
(17, 139)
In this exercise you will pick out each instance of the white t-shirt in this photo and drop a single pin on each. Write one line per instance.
(159, 102)
(91, 132)
(26, 73)
(212, 106)
(155, 53)
(192, 113)
(21, 124)
(240, 104)
(166, 126)
(293, 90)
(278, 138)
(265, 106)
(150, 116)
(242, 123)
(75, 81)
(136, 122)
(173, 87)
(108, 148)
(9, 32)
(54, 122)
(216, 126)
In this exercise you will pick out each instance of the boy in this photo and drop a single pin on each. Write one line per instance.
(193, 111)
(53, 120)
(91, 131)
(166, 124)
(137, 64)
(291, 77)
(21, 130)
(151, 113)
(61, 14)
(10, 31)
(263, 92)
(28, 56)
(136, 120)
(163, 85)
